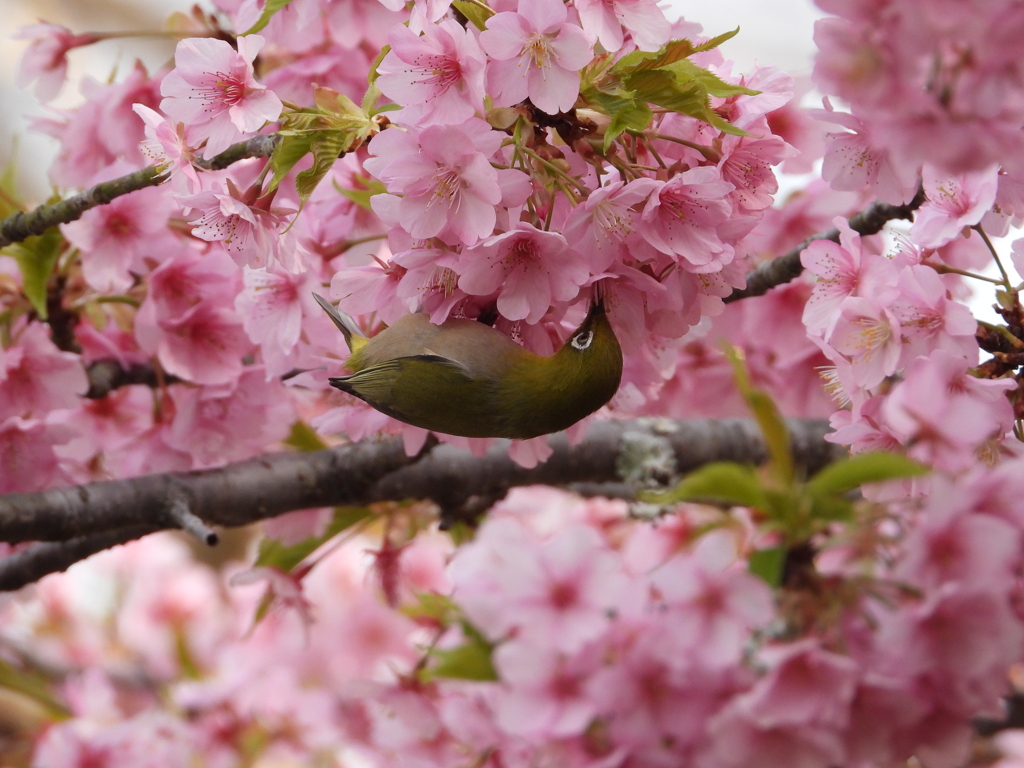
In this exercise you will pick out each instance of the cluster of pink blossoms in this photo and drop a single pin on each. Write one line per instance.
(928, 83)
(616, 643)
(601, 641)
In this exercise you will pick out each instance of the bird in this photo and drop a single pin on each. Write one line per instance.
(465, 378)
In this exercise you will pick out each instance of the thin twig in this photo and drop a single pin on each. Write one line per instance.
(787, 267)
(179, 512)
(21, 225)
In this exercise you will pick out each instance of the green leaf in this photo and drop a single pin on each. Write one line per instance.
(33, 685)
(361, 197)
(773, 428)
(286, 557)
(722, 482)
(10, 203)
(286, 154)
(433, 607)
(272, 7)
(372, 79)
(686, 72)
(470, 661)
(768, 564)
(36, 257)
(370, 98)
(327, 147)
(474, 13)
(843, 476)
(304, 438)
(1006, 299)
(714, 42)
(638, 61)
(831, 509)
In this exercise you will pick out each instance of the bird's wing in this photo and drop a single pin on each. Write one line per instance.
(374, 384)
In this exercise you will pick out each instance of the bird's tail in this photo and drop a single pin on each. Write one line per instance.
(354, 338)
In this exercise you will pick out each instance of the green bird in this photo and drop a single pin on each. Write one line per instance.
(465, 378)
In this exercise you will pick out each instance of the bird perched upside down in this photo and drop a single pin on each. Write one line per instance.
(465, 378)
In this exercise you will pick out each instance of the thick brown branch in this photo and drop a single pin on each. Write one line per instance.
(21, 225)
(628, 452)
(787, 267)
(38, 560)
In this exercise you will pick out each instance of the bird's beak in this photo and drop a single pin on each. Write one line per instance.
(597, 300)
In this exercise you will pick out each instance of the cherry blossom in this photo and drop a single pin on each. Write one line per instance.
(115, 238)
(213, 91)
(167, 147)
(253, 233)
(528, 267)
(36, 377)
(272, 306)
(843, 270)
(442, 70)
(45, 61)
(537, 54)
(952, 203)
(445, 178)
(643, 19)
(682, 217)
(867, 336)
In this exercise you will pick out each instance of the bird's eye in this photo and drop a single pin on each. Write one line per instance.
(582, 340)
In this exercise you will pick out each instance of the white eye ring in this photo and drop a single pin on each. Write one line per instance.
(582, 340)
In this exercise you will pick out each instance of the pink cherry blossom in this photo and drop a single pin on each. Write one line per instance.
(27, 454)
(231, 421)
(430, 282)
(166, 145)
(373, 288)
(853, 163)
(529, 268)
(946, 412)
(953, 543)
(36, 377)
(45, 60)
(795, 714)
(205, 345)
(867, 336)
(272, 305)
(186, 280)
(115, 238)
(102, 130)
(843, 270)
(255, 234)
(545, 694)
(747, 165)
(537, 54)
(643, 19)
(213, 91)
(557, 592)
(682, 217)
(606, 220)
(929, 319)
(952, 203)
(445, 177)
(713, 604)
(442, 70)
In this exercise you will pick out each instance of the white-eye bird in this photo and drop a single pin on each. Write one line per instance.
(466, 378)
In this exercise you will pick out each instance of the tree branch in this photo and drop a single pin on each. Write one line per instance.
(21, 225)
(787, 267)
(631, 454)
(107, 375)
